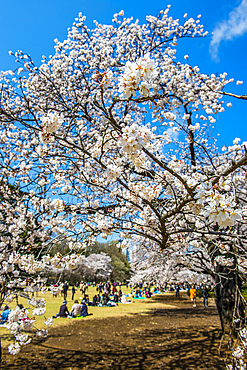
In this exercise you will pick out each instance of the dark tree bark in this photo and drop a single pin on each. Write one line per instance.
(228, 300)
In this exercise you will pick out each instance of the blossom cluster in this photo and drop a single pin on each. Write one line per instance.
(223, 261)
(138, 76)
(219, 206)
(134, 137)
(51, 122)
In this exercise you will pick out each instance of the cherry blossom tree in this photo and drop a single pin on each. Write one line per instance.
(86, 117)
(29, 226)
(96, 266)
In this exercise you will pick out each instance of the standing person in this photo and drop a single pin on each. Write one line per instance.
(4, 290)
(205, 295)
(32, 288)
(65, 290)
(81, 287)
(84, 288)
(177, 291)
(37, 288)
(106, 288)
(73, 292)
(116, 296)
(54, 290)
(101, 286)
(193, 295)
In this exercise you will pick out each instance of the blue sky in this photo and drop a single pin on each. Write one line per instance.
(32, 26)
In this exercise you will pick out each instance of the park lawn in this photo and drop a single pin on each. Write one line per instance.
(53, 304)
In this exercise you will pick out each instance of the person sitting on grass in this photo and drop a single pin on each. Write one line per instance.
(65, 290)
(63, 311)
(76, 309)
(85, 299)
(137, 294)
(111, 304)
(5, 315)
(84, 311)
(95, 299)
(107, 298)
(103, 299)
(148, 294)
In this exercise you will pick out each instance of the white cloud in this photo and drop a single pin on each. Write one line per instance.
(235, 26)
(172, 134)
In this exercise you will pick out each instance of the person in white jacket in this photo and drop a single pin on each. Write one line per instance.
(76, 309)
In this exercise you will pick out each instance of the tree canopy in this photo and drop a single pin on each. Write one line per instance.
(113, 133)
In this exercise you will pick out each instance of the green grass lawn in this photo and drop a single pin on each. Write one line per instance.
(53, 304)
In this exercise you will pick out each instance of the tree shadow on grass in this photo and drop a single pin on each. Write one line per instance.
(173, 338)
(169, 350)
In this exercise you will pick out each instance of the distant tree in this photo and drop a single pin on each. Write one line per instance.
(94, 267)
(60, 247)
(119, 262)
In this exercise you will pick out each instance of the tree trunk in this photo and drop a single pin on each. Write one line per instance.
(228, 300)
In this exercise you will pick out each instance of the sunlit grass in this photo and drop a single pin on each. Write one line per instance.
(53, 304)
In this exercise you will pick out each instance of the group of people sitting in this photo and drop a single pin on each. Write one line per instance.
(107, 299)
(100, 300)
(77, 310)
(141, 293)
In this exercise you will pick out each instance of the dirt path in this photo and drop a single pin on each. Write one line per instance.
(178, 337)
